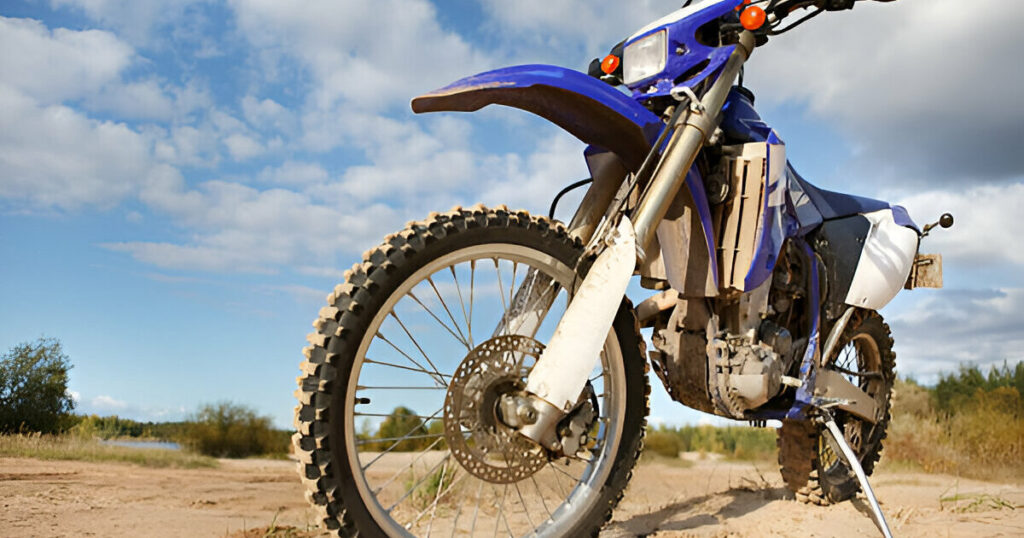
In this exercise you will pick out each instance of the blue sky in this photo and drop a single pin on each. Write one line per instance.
(182, 182)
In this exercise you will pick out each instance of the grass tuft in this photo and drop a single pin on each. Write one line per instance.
(50, 447)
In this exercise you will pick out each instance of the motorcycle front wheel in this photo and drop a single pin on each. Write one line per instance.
(397, 429)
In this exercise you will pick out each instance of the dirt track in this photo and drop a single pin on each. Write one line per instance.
(48, 498)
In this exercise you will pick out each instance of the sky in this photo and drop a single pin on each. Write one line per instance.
(183, 181)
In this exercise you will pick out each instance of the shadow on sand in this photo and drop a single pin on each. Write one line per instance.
(696, 512)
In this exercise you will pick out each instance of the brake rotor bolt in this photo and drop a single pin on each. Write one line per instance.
(527, 414)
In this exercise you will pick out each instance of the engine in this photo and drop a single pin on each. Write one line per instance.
(734, 359)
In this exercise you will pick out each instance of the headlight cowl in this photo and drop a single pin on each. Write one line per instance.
(645, 57)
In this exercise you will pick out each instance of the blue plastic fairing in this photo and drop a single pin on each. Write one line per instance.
(688, 61)
(589, 109)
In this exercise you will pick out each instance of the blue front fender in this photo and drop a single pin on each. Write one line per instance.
(589, 109)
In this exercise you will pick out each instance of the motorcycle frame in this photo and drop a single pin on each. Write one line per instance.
(602, 117)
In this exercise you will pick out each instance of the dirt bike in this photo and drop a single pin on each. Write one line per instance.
(496, 352)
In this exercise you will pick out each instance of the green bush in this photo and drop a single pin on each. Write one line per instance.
(739, 443)
(115, 427)
(403, 431)
(663, 443)
(34, 388)
(226, 430)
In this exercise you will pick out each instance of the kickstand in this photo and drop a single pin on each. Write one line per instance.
(851, 459)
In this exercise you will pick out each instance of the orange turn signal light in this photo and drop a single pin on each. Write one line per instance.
(753, 18)
(610, 64)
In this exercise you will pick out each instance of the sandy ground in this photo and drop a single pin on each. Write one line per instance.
(49, 498)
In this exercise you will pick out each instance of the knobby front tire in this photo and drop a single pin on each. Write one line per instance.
(373, 456)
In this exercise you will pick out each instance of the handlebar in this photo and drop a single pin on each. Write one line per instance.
(781, 8)
(777, 10)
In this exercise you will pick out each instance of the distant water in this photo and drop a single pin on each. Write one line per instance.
(165, 445)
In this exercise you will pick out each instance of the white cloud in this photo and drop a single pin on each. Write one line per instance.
(105, 405)
(145, 100)
(926, 90)
(135, 20)
(987, 230)
(53, 66)
(53, 156)
(242, 147)
(106, 402)
(951, 327)
(294, 173)
(369, 54)
(531, 181)
(267, 114)
(237, 228)
(549, 29)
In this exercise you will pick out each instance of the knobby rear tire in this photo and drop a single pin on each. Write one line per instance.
(323, 440)
(807, 464)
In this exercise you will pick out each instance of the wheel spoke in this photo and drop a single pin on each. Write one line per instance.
(501, 513)
(540, 494)
(459, 337)
(501, 292)
(571, 477)
(411, 432)
(367, 387)
(476, 510)
(518, 310)
(417, 344)
(421, 417)
(458, 512)
(512, 284)
(462, 303)
(399, 439)
(437, 497)
(448, 310)
(439, 378)
(472, 286)
(414, 487)
(519, 493)
(419, 370)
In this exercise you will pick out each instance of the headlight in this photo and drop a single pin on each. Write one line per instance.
(645, 57)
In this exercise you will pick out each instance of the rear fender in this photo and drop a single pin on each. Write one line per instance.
(587, 108)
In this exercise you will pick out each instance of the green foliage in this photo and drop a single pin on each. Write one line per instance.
(226, 430)
(404, 431)
(740, 443)
(663, 443)
(430, 487)
(115, 427)
(955, 392)
(34, 387)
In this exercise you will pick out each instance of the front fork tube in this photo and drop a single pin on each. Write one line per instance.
(561, 372)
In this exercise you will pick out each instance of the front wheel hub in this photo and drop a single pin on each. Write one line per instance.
(479, 440)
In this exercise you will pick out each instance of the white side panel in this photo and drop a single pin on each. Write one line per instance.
(884, 264)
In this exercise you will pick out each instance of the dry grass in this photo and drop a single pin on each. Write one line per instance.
(50, 447)
(984, 439)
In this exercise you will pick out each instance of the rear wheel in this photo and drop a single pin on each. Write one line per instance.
(397, 423)
(809, 465)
